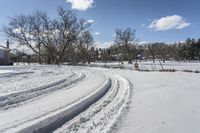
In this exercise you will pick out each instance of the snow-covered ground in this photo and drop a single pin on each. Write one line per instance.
(27, 78)
(51, 96)
(84, 99)
(149, 65)
(162, 103)
(5, 71)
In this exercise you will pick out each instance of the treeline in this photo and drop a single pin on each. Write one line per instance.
(67, 38)
(181, 51)
(127, 48)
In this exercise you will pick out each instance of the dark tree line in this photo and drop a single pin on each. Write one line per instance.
(182, 51)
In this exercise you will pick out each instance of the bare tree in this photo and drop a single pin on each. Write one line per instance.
(19, 29)
(84, 44)
(126, 37)
(48, 38)
(69, 29)
(152, 51)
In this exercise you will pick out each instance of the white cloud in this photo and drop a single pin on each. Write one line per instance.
(97, 33)
(90, 21)
(169, 22)
(81, 4)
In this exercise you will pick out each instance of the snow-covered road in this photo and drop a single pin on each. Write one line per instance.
(88, 100)
(72, 92)
(102, 115)
(38, 109)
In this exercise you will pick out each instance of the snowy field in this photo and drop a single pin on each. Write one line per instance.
(73, 99)
(157, 66)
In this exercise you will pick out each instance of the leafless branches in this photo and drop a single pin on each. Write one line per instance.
(48, 38)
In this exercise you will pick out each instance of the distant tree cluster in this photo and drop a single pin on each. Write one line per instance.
(182, 51)
(53, 41)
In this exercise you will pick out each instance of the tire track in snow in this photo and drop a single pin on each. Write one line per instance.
(32, 77)
(102, 116)
(47, 115)
(12, 74)
(15, 99)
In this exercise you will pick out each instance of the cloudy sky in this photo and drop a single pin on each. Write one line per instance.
(154, 20)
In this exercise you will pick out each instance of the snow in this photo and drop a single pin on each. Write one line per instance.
(102, 116)
(37, 111)
(149, 65)
(92, 99)
(179, 66)
(14, 99)
(5, 71)
(23, 78)
(163, 103)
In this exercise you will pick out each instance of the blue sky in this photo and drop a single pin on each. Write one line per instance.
(154, 20)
